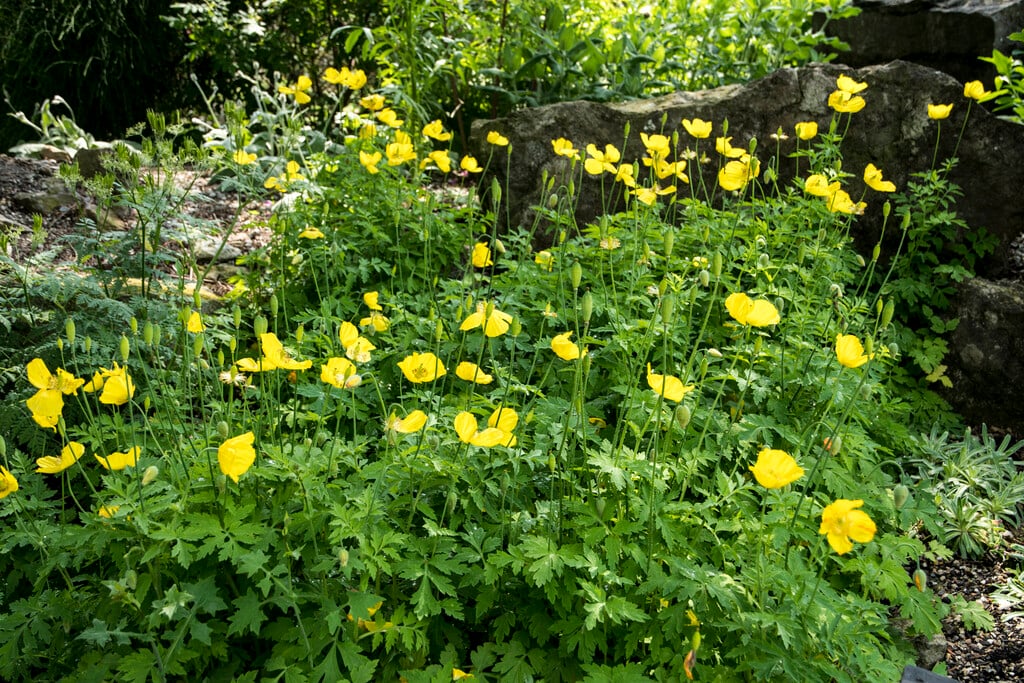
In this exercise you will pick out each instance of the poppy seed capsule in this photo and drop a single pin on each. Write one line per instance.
(236, 315)
(147, 333)
(668, 309)
(133, 325)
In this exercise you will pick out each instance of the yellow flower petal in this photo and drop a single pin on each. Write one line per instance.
(236, 455)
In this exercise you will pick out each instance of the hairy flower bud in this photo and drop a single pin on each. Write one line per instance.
(236, 315)
(587, 307)
(259, 325)
(705, 278)
(126, 348)
(147, 333)
(920, 579)
(69, 330)
(576, 275)
(716, 265)
(223, 430)
(274, 306)
(682, 416)
(668, 309)
(150, 474)
(887, 312)
(900, 495)
(668, 242)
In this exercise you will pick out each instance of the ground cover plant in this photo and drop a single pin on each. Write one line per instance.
(666, 446)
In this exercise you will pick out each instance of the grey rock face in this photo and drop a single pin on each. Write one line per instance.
(893, 132)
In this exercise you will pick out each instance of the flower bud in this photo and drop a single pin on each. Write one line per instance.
(126, 348)
(223, 430)
(69, 330)
(515, 328)
(197, 300)
(758, 342)
(716, 264)
(147, 333)
(236, 315)
(88, 344)
(60, 343)
(920, 579)
(894, 349)
(220, 358)
(585, 364)
(887, 313)
(668, 309)
(576, 275)
(3, 447)
(900, 495)
(552, 201)
(869, 346)
(905, 223)
(876, 252)
(705, 278)
(860, 261)
(886, 209)
(147, 403)
(495, 191)
(300, 332)
(274, 305)
(232, 345)
(133, 324)
(763, 262)
(197, 346)
(587, 307)
(150, 474)
(682, 416)
(668, 242)
(439, 330)
(599, 507)
(833, 444)
(259, 325)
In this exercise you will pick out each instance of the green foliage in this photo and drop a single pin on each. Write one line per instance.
(598, 510)
(978, 486)
(109, 59)
(1009, 93)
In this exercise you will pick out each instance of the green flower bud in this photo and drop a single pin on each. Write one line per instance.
(69, 330)
(763, 262)
(515, 328)
(220, 358)
(236, 315)
(60, 343)
(869, 346)
(3, 447)
(232, 345)
(716, 265)
(439, 330)
(576, 275)
(758, 342)
(147, 333)
(552, 201)
(274, 305)
(147, 403)
(920, 579)
(900, 495)
(223, 430)
(495, 191)
(887, 313)
(599, 507)
(259, 325)
(682, 416)
(197, 346)
(88, 344)
(894, 349)
(133, 324)
(587, 307)
(668, 242)
(197, 300)
(905, 223)
(714, 353)
(668, 309)
(705, 278)
(150, 474)
(300, 332)
(886, 209)
(585, 364)
(860, 261)
(126, 348)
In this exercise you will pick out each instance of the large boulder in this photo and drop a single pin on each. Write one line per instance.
(948, 35)
(986, 359)
(893, 132)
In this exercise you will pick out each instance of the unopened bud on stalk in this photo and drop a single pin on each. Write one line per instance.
(585, 364)
(236, 315)
(627, 128)
(758, 342)
(662, 287)
(495, 191)
(88, 344)
(900, 495)
(147, 333)
(150, 474)
(223, 431)
(126, 348)
(763, 261)
(69, 330)
(887, 312)
(572, 188)
(860, 261)
(668, 309)
(274, 305)
(515, 328)
(920, 579)
(3, 447)
(714, 353)
(232, 345)
(668, 242)
(147, 403)
(705, 278)
(869, 346)
(197, 346)
(499, 246)
(439, 330)
(905, 223)
(876, 252)
(220, 358)
(259, 325)
(576, 275)
(716, 264)
(886, 209)
(300, 332)
(552, 201)
(133, 325)
(587, 307)
(197, 300)
(682, 416)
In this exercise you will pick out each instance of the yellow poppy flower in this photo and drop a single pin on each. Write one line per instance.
(195, 323)
(669, 386)
(938, 112)
(466, 427)
(118, 387)
(356, 347)
(818, 185)
(599, 162)
(698, 128)
(842, 521)
(481, 255)
(422, 367)
(8, 484)
(845, 103)
(545, 259)
(236, 455)
(369, 161)
(389, 118)
(976, 91)
(371, 299)
(497, 139)
(736, 174)
(724, 147)
(108, 511)
(775, 469)
(377, 321)
(850, 352)
(747, 311)
(410, 424)
(298, 91)
(564, 348)
(846, 84)
(471, 372)
(657, 145)
(337, 372)
(805, 130)
(372, 102)
(494, 322)
(311, 234)
(353, 80)
(841, 202)
(873, 179)
(564, 148)
(69, 455)
(440, 159)
(401, 150)
(243, 158)
(118, 460)
(435, 130)
(470, 165)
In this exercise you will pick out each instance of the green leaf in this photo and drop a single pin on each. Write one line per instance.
(248, 615)
(360, 668)
(137, 666)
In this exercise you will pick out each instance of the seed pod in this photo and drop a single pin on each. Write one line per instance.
(869, 346)
(300, 332)
(88, 344)
(495, 191)
(197, 299)
(220, 358)
(586, 364)
(133, 325)
(236, 315)
(599, 507)
(515, 328)
(886, 209)
(3, 447)
(876, 252)
(197, 346)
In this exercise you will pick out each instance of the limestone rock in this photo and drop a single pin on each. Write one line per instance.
(893, 132)
(948, 35)
(986, 361)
